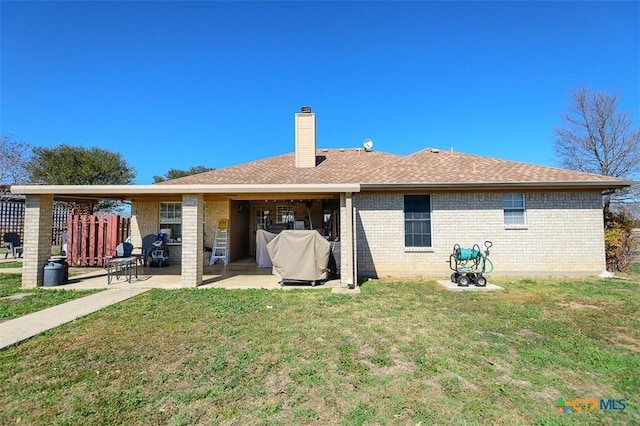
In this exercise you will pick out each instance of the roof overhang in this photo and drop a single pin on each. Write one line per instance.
(130, 191)
(488, 186)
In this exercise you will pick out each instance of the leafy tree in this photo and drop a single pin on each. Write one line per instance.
(14, 156)
(72, 165)
(176, 173)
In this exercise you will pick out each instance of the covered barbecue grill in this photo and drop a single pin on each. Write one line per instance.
(299, 256)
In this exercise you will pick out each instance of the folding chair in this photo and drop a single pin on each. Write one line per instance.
(11, 241)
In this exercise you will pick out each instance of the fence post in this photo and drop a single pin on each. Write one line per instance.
(72, 239)
(113, 223)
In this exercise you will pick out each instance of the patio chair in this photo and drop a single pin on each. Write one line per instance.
(122, 263)
(124, 250)
(148, 247)
(11, 241)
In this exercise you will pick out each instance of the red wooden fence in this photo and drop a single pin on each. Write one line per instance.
(91, 238)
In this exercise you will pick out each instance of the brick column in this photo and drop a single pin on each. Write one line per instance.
(348, 271)
(38, 225)
(192, 245)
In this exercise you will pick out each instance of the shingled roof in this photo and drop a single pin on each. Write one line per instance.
(429, 167)
(332, 166)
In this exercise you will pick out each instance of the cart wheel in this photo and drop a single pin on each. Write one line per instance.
(481, 281)
(463, 281)
(454, 277)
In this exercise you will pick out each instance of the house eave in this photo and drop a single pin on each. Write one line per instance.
(477, 186)
(126, 191)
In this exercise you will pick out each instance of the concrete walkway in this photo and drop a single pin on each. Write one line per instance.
(22, 328)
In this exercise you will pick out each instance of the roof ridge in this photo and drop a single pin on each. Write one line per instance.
(399, 158)
(503, 160)
(356, 149)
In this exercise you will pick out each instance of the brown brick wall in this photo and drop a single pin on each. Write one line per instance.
(563, 234)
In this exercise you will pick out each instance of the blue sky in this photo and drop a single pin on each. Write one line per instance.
(180, 84)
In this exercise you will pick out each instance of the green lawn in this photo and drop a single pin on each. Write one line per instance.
(399, 353)
(37, 299)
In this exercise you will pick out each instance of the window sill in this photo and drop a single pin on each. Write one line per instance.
(516, 227)
(418, 250)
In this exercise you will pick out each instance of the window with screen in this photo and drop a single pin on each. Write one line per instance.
(171, 218)
(513, 205)
(417, 221)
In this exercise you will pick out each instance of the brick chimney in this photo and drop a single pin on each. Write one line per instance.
(305, 138)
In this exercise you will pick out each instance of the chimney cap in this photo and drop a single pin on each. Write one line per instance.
(305, 109)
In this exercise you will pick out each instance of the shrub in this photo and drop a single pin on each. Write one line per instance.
(618, 241)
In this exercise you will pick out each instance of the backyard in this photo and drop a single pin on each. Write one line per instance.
(405, 352)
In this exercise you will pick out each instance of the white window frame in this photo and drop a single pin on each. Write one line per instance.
(170, 220)
(514, 207)
(284, 214)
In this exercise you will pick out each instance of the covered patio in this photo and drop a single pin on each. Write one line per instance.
(202, 206)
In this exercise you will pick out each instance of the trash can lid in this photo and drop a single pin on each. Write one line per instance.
(53, 265)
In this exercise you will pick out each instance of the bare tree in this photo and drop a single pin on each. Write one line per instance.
(598, 138)
(14, 156)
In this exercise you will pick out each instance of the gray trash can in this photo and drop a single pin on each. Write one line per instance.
(65, 268)
(53, 274)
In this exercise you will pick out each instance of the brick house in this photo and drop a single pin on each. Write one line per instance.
(393, 215)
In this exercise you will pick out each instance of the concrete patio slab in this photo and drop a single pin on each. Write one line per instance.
(237, 275)
(231, 277)
(451, 286)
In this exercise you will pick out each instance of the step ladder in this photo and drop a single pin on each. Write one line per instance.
(220, 245)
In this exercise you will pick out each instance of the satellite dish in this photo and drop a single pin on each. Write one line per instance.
(368, 144)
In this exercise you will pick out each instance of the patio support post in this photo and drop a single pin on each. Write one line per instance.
(192, 243)
(38, 225)
(348, 269)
